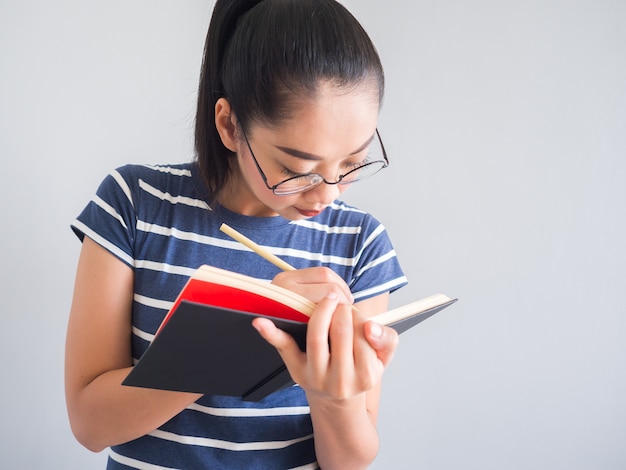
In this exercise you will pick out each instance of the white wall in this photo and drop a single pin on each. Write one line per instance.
(505, 125)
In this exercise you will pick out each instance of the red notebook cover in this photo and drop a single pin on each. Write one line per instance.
(219, 295)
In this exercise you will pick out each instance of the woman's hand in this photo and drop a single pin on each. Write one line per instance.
(341, 373)
(346, 355)
(315, 284)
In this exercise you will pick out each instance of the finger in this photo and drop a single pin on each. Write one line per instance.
(284, 343)
(342, 341)
(368, 366)
(317, 339)
(315, 283)
(383, 340)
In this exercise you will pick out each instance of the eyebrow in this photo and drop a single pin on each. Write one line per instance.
(309, 156)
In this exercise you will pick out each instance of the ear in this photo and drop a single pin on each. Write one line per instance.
(226, 124)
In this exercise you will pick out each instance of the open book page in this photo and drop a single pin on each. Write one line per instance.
(410, 309)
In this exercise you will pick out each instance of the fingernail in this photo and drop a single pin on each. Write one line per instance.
(332, 295)
(376, 330)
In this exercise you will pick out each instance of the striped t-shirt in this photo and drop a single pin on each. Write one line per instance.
(155, 219)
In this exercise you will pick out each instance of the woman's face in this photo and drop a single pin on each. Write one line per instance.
(329, 135)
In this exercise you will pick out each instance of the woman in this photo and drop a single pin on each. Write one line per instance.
(287, 110)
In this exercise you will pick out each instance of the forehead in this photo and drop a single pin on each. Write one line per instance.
(332, 121)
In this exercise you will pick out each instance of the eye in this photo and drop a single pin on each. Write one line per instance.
(360, 163)
(288, 173)
(349, 166)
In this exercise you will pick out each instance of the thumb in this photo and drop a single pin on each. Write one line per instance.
(383, 340)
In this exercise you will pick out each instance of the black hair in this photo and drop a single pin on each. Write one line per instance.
(264, 56)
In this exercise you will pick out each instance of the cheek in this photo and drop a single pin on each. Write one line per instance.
(343, 187)
(250, 172)
(276, 202)
(267, 196)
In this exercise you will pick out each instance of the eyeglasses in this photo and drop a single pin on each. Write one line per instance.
(301, 183)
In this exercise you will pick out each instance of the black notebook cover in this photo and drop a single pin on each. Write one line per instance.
(217, 351)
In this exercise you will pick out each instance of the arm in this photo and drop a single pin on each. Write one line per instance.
(343, 387)
(98, 357)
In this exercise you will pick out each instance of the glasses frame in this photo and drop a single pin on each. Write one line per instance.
(385, 162)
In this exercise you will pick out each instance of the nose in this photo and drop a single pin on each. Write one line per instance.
(322, 194)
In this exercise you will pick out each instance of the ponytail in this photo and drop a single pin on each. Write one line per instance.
(212, 156)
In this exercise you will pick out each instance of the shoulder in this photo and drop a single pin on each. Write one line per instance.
(134, 172)
(136, 180)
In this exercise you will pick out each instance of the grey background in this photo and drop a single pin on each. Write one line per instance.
(505, 126)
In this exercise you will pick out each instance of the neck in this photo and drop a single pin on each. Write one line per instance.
(237, 196)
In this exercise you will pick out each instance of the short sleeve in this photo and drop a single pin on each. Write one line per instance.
(377, 269)
(110, 217)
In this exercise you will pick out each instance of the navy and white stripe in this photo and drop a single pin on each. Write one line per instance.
(154, 219)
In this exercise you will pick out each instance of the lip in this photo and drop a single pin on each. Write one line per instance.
(308, 213)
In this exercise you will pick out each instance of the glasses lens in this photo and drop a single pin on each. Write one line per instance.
(363, 172)
(298, 184)
(374, 162)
